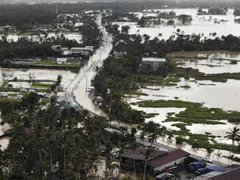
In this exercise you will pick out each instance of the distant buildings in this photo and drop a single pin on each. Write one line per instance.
(83, 52)
(61, 60)
(153, 65)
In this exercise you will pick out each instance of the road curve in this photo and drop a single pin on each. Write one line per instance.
(76, 92)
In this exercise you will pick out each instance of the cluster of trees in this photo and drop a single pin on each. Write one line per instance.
(112, 82)
(236, 12)
(91, 35)
(122, 17)
(24, 17)
(149, 20)
(55, 139)
(140, 45)
(25, 48)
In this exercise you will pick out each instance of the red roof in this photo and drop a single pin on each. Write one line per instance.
(139, 154)
(27, 130)
(169, 157)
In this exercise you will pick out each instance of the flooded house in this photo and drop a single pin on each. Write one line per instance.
(153, 65)
(61, 60)
(83, 52)
(157, 161)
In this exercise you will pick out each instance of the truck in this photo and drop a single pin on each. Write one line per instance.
(196, 165)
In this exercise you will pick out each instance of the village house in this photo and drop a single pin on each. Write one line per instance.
(153, 65)
(157, 161)
(83, 52)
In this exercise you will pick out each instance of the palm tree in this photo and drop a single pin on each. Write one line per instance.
(142, 135)
(147, 155)
(233, 135)
(152, 138)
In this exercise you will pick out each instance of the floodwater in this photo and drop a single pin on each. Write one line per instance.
(3, 141)
(36, 38)
(217, 94)
(39, 74)
(78, 88)
(200, 24)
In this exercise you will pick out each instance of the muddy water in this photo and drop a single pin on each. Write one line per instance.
(200, 24)
(36, 38)
(40, 74)
(83, 81)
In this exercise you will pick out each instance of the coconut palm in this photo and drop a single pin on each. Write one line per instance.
(234, 135)
(152, 138)
(147, 155)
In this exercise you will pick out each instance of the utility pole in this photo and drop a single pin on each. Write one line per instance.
(86, 84)
(57, 9)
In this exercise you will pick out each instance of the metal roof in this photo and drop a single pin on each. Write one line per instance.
(153, 59)
(169, 157)
(139, 154)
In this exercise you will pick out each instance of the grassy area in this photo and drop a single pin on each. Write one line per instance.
(194, 113)
(194, 73)
(3, 99)
(150, 115)
(150, 79)
(170, 103)
(70, 63)
(41, 85)
(3, 89)
(134, 92)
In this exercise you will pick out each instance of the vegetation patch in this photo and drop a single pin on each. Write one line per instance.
(134, 92)
(41, 85)
(150, 115)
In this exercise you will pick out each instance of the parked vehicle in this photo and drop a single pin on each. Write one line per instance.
(164, 176)
(207, 160)
(207, 170)
(196, 165)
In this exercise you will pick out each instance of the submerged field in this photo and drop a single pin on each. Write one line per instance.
(188, 106)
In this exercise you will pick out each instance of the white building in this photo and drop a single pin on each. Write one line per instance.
(61, 60)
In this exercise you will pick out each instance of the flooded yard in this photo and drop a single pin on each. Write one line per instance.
(38, 74)
(223, 95)
(36, 38)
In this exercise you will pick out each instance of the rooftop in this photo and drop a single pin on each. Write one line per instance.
(139, 154)
(153, 59)
(169, 157)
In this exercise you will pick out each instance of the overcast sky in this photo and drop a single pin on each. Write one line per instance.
(34, 1)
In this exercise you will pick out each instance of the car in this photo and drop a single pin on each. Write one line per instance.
(207, 160)
(19, 96)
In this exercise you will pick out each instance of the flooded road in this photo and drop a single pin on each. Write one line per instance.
(77, 93)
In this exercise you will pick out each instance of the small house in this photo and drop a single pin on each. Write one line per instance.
(61, 60)
(153, 65)
(157, 161)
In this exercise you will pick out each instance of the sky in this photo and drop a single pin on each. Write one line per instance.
(38, 1)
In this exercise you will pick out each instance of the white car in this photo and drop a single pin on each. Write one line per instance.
(207, 160)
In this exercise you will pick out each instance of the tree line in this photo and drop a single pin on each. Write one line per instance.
(55, 138)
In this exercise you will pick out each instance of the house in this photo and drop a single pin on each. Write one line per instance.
(61, 60)
(157, 161)
(153, 65)
(230, 173)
